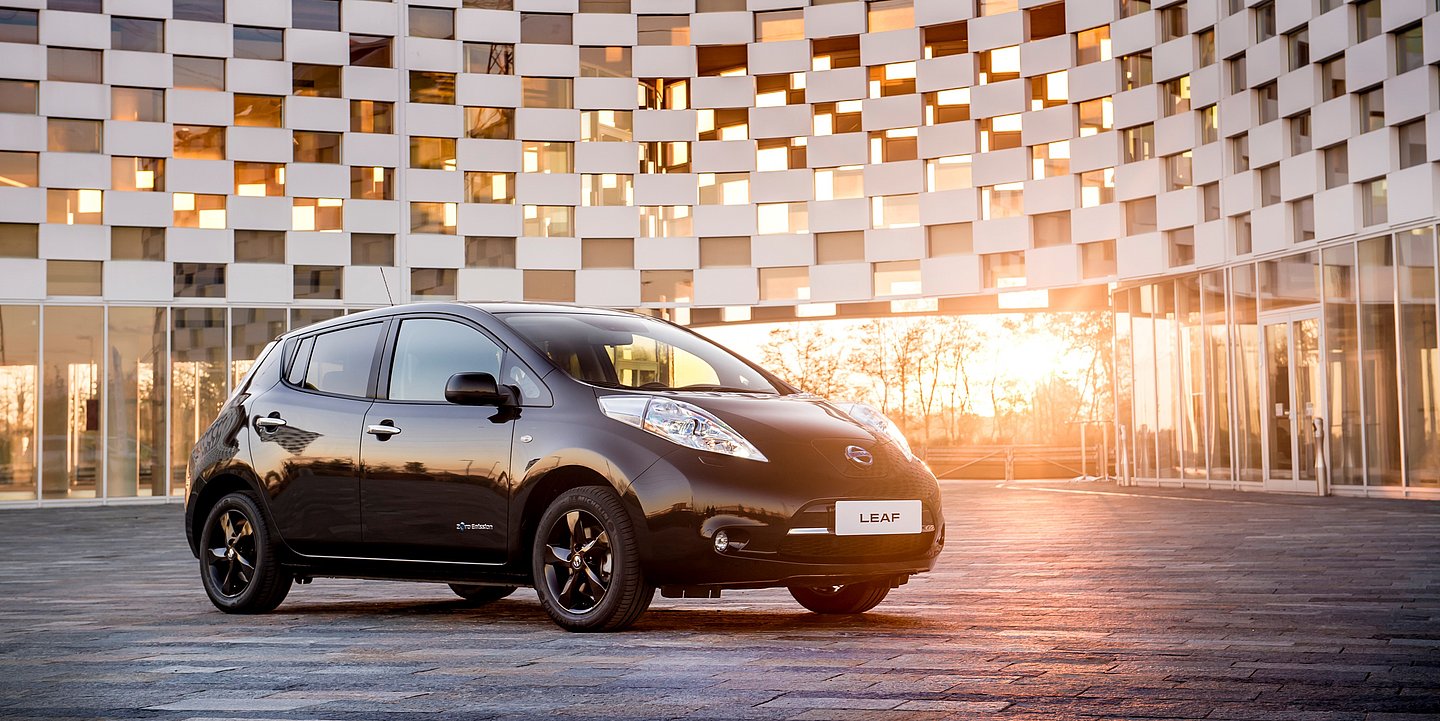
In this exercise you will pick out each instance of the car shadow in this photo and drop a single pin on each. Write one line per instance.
(526, 612)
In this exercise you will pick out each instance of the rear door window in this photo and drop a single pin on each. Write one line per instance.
(339, 362)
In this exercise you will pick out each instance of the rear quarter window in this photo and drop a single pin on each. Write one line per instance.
(338, 362)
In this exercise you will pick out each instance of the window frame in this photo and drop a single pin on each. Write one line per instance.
(384, 366)
(296, 345)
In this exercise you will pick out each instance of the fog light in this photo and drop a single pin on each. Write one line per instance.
(722, 542)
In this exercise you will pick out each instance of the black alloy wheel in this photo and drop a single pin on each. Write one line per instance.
(480, 595)
(238, 563)
(847, 599)
(586, 563)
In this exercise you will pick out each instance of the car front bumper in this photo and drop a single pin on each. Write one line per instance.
(779, 518)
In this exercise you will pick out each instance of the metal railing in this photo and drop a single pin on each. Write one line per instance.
(1015, 461)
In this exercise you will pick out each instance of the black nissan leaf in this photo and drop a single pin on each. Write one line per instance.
(595, 455)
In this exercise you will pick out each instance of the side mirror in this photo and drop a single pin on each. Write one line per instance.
(475, 389)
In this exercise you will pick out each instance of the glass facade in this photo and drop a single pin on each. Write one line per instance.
(1316, 372)
(98, 401)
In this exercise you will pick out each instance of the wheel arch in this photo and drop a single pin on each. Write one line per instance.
(540, 492)
(207, 495)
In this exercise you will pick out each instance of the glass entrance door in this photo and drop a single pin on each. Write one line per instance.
(1294, 391)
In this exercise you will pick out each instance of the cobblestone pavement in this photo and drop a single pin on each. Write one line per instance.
(1082, 601)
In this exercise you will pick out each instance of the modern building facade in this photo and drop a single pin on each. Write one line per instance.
(1252, 183)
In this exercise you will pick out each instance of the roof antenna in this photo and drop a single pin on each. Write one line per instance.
(386, 281)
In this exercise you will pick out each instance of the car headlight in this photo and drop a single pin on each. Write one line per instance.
(876, 421)
(680, 423)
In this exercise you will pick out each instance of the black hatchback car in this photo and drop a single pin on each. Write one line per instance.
(593, 454)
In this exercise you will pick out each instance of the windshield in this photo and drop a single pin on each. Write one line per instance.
(635, 352)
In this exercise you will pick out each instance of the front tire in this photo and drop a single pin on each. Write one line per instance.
(481, 595)
(239, 563)
(849, 599)
(586, 563)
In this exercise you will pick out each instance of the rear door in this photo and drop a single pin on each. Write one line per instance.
(436, 476)
(305, 438)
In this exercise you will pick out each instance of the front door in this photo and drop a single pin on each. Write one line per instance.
(435, 480)
(1295, 402)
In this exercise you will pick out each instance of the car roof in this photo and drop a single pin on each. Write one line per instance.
(489, 308)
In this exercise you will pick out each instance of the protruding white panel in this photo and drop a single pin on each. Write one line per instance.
(25, 278)
(769, 251)
(665, 125)
(840, 282)
(780, 186)
(712, 220)
(561, 61)
(950, 275)
(833, 20)
(138, 208)
(266, 145)
(621, 221)
(883, 244)
(548, 253)
(75, 170)
(252, 213)
(723, 286)
(481, 284)
(372, 284)
(607, 158)
(74, 242)
(489, 219)
(431, 185)
(737, 91)
(304, 248)
(665, 253)
(608, 287)
(724, 156)
(199, 245)
(605, 29)
(140, 281)
(828, 216)
(317, 180)
(828, 151)
(216, 177)
(372, 216)
(829, 86)
(547, 189)
(492, 26)
(666, 189)
(663, 61)
(497, 155)
(605, 94)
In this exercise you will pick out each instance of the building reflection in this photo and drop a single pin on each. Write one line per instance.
(1314, 372)
(99, 401)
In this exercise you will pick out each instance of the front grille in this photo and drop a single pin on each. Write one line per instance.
(868, 548)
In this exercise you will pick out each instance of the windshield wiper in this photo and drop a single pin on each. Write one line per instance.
(720, 389)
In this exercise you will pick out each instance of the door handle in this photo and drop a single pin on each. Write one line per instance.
(270, 423)
(382, 430)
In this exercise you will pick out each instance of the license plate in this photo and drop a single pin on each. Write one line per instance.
(876, 518)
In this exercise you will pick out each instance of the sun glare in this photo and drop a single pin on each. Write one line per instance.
(1011, 354)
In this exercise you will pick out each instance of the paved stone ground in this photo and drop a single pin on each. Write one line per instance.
(1082, 601)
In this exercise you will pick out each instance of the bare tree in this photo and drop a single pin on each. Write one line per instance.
(959, 341)
(809, 357)
(1089, 333)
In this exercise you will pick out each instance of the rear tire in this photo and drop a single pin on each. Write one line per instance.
(849, 599)
(586, 563)
(481, 595)
(239, 558)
